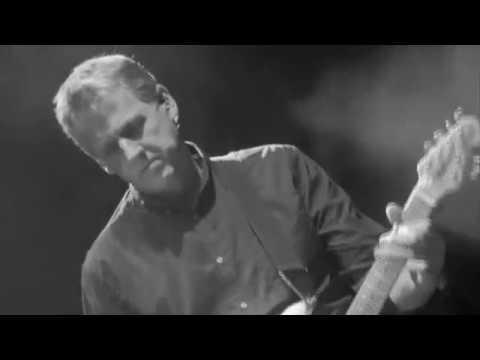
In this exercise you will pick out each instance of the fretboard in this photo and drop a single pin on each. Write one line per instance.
(384, 273)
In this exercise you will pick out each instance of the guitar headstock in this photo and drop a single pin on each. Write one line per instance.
(451, 160)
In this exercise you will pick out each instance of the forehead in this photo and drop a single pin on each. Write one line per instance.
(117, 105)
(110, 112)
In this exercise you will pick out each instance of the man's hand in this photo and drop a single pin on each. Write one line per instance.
(426, 257)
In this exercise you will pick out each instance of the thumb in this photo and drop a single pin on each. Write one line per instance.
(394, 213)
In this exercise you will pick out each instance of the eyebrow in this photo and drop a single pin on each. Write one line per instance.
(111, 137)
(129, 122)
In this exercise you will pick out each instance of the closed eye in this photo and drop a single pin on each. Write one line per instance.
(133, 129)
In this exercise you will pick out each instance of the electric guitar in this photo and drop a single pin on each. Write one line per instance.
(447, 166)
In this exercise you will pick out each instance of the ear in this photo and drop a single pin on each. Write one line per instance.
(170, 104)
(172, 108)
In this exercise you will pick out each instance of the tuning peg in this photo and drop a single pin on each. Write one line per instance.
(476, 160)
(438, 134)
(427, 145)
(476, 168)
(457, 115)
(448, 125)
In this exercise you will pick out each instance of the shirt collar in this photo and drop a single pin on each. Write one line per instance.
(201, 163)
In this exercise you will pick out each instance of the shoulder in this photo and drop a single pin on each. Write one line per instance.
(106, 249)
(276, 158)
(260, 153)
(272, 168)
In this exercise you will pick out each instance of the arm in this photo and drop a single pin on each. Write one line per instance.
(348, 235)
(100, 294)
(350, 238)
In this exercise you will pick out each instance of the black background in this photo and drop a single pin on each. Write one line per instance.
(362, 112)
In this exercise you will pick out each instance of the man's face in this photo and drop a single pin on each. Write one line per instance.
(139, 142)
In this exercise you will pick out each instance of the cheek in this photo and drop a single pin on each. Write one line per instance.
(126, 170)
(164, 131)
(169, 137)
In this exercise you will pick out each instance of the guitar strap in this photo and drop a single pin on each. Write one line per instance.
(280, 254)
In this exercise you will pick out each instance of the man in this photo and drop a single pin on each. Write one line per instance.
(252, 232)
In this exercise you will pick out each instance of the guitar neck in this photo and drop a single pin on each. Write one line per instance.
(384, 273)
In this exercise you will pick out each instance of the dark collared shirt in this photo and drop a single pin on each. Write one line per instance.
(263, 213)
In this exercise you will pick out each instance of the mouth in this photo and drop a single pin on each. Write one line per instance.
(154, 164)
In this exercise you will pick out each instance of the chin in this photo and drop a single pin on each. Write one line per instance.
(162, 185)
(169, 181)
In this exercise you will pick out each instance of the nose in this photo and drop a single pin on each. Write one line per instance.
(130, 148)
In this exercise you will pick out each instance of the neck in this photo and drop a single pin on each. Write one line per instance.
(185, 199)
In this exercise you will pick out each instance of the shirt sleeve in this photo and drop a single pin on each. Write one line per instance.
(100, 294)
(349, 236)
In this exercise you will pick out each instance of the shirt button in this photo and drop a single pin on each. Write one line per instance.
(220, 260)
(244, 305)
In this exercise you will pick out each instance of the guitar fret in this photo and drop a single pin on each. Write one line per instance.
(381, 278)
(440, 173)
(376, 288)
